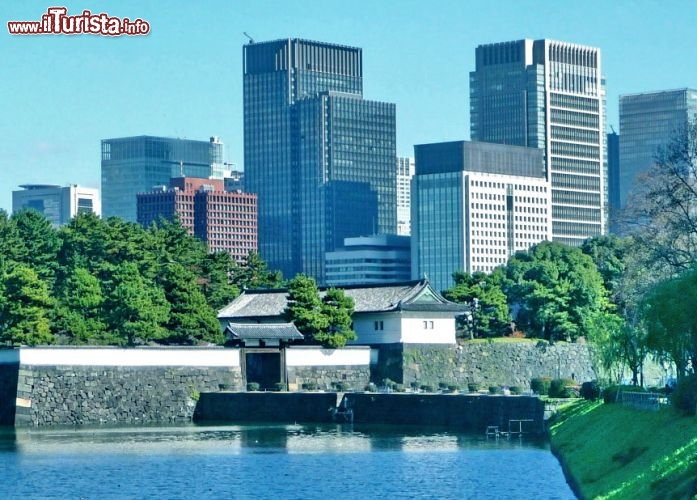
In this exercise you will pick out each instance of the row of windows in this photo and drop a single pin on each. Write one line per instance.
(569, 149)
(518, 187)
(563, 117)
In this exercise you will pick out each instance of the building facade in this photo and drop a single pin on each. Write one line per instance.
(133, 165)
(384, 258)
(319, 156)
(58, 204)
(474, 205)
(549, 95)
(405, 171)
(225, 221)
(649, 121)
(613, 180)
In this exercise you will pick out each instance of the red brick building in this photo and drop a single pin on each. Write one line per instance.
(224, 220)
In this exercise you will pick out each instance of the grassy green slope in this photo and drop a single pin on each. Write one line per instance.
(616, 452)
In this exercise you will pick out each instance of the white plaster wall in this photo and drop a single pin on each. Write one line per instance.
(413, 331)
(367, 334)
(354, 356)
(105, 356)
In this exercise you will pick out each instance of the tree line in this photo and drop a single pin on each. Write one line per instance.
(96, 281)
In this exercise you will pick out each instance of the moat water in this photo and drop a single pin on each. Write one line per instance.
(275, 462)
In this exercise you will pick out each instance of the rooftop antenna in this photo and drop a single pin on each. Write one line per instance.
(251, 40)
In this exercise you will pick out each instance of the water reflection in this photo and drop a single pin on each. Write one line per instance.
(253, 461)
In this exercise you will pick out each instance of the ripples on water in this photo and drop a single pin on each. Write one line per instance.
(276, 462)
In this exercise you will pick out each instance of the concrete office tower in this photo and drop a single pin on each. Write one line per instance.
(474, 205)
(133, 165)
(370, 259)
(549, 95)
(57, 203)
(320, 158)
(405, 171)
(649, 121)
(225, 221)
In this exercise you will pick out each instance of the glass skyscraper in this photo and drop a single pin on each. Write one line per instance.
(319, 156)
(132, 165)
(549, 95)
(649, 121)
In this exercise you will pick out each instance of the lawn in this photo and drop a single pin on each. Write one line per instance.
(617, 452)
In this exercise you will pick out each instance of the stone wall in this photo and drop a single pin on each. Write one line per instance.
(463, 412)
(280, 407)
(489, 364)
(76, 395)
(325, 377)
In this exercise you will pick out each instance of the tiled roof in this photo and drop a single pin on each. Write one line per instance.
(412, 295)
(282, 331)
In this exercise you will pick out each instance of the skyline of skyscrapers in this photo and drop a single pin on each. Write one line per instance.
(132, 165)
(550, 95)
(649, 121)
(320, 158)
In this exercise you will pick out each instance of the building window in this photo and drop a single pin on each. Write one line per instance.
(378, 325)
(428, 325)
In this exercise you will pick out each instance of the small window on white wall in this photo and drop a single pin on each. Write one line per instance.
(378, 325)
(428, 325)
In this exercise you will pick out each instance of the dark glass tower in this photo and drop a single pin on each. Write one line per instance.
(319, 157)
(549, 95)
(132, 165)
(650, 121)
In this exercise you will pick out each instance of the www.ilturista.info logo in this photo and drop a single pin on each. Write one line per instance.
(56, 21)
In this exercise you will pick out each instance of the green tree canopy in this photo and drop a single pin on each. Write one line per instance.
(25, 308)
(556, 290)
(490, 315)
(668, 313)
(304, 307)
(338, 308)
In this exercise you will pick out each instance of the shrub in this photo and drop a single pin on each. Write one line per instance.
(387, 382)
(427, 388)
(685, 395)
(540, 385)
(371, 387)
(494, 389)
(253, 386)
(399, 388)
(279, 387)
(562, 388)
(474, 386)
(414, 385)
(310, 386)
(516, 389)
(341, 386)
(442, 385)
(453, 387)
(590, 390)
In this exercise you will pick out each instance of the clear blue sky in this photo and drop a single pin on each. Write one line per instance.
(60, 95)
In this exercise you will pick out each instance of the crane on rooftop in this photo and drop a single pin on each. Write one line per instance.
(251, 40)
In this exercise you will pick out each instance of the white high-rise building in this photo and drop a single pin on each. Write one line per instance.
(549, 95)
(58, 204)
(405, 171)
(474, 205)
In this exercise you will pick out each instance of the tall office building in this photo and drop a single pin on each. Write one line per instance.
(474, 205)
(405, 171)
(319, 156)
(132, 165)
(225, 221)
(58, 204)
(649, 121)
(613, 180)
(549, 95)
